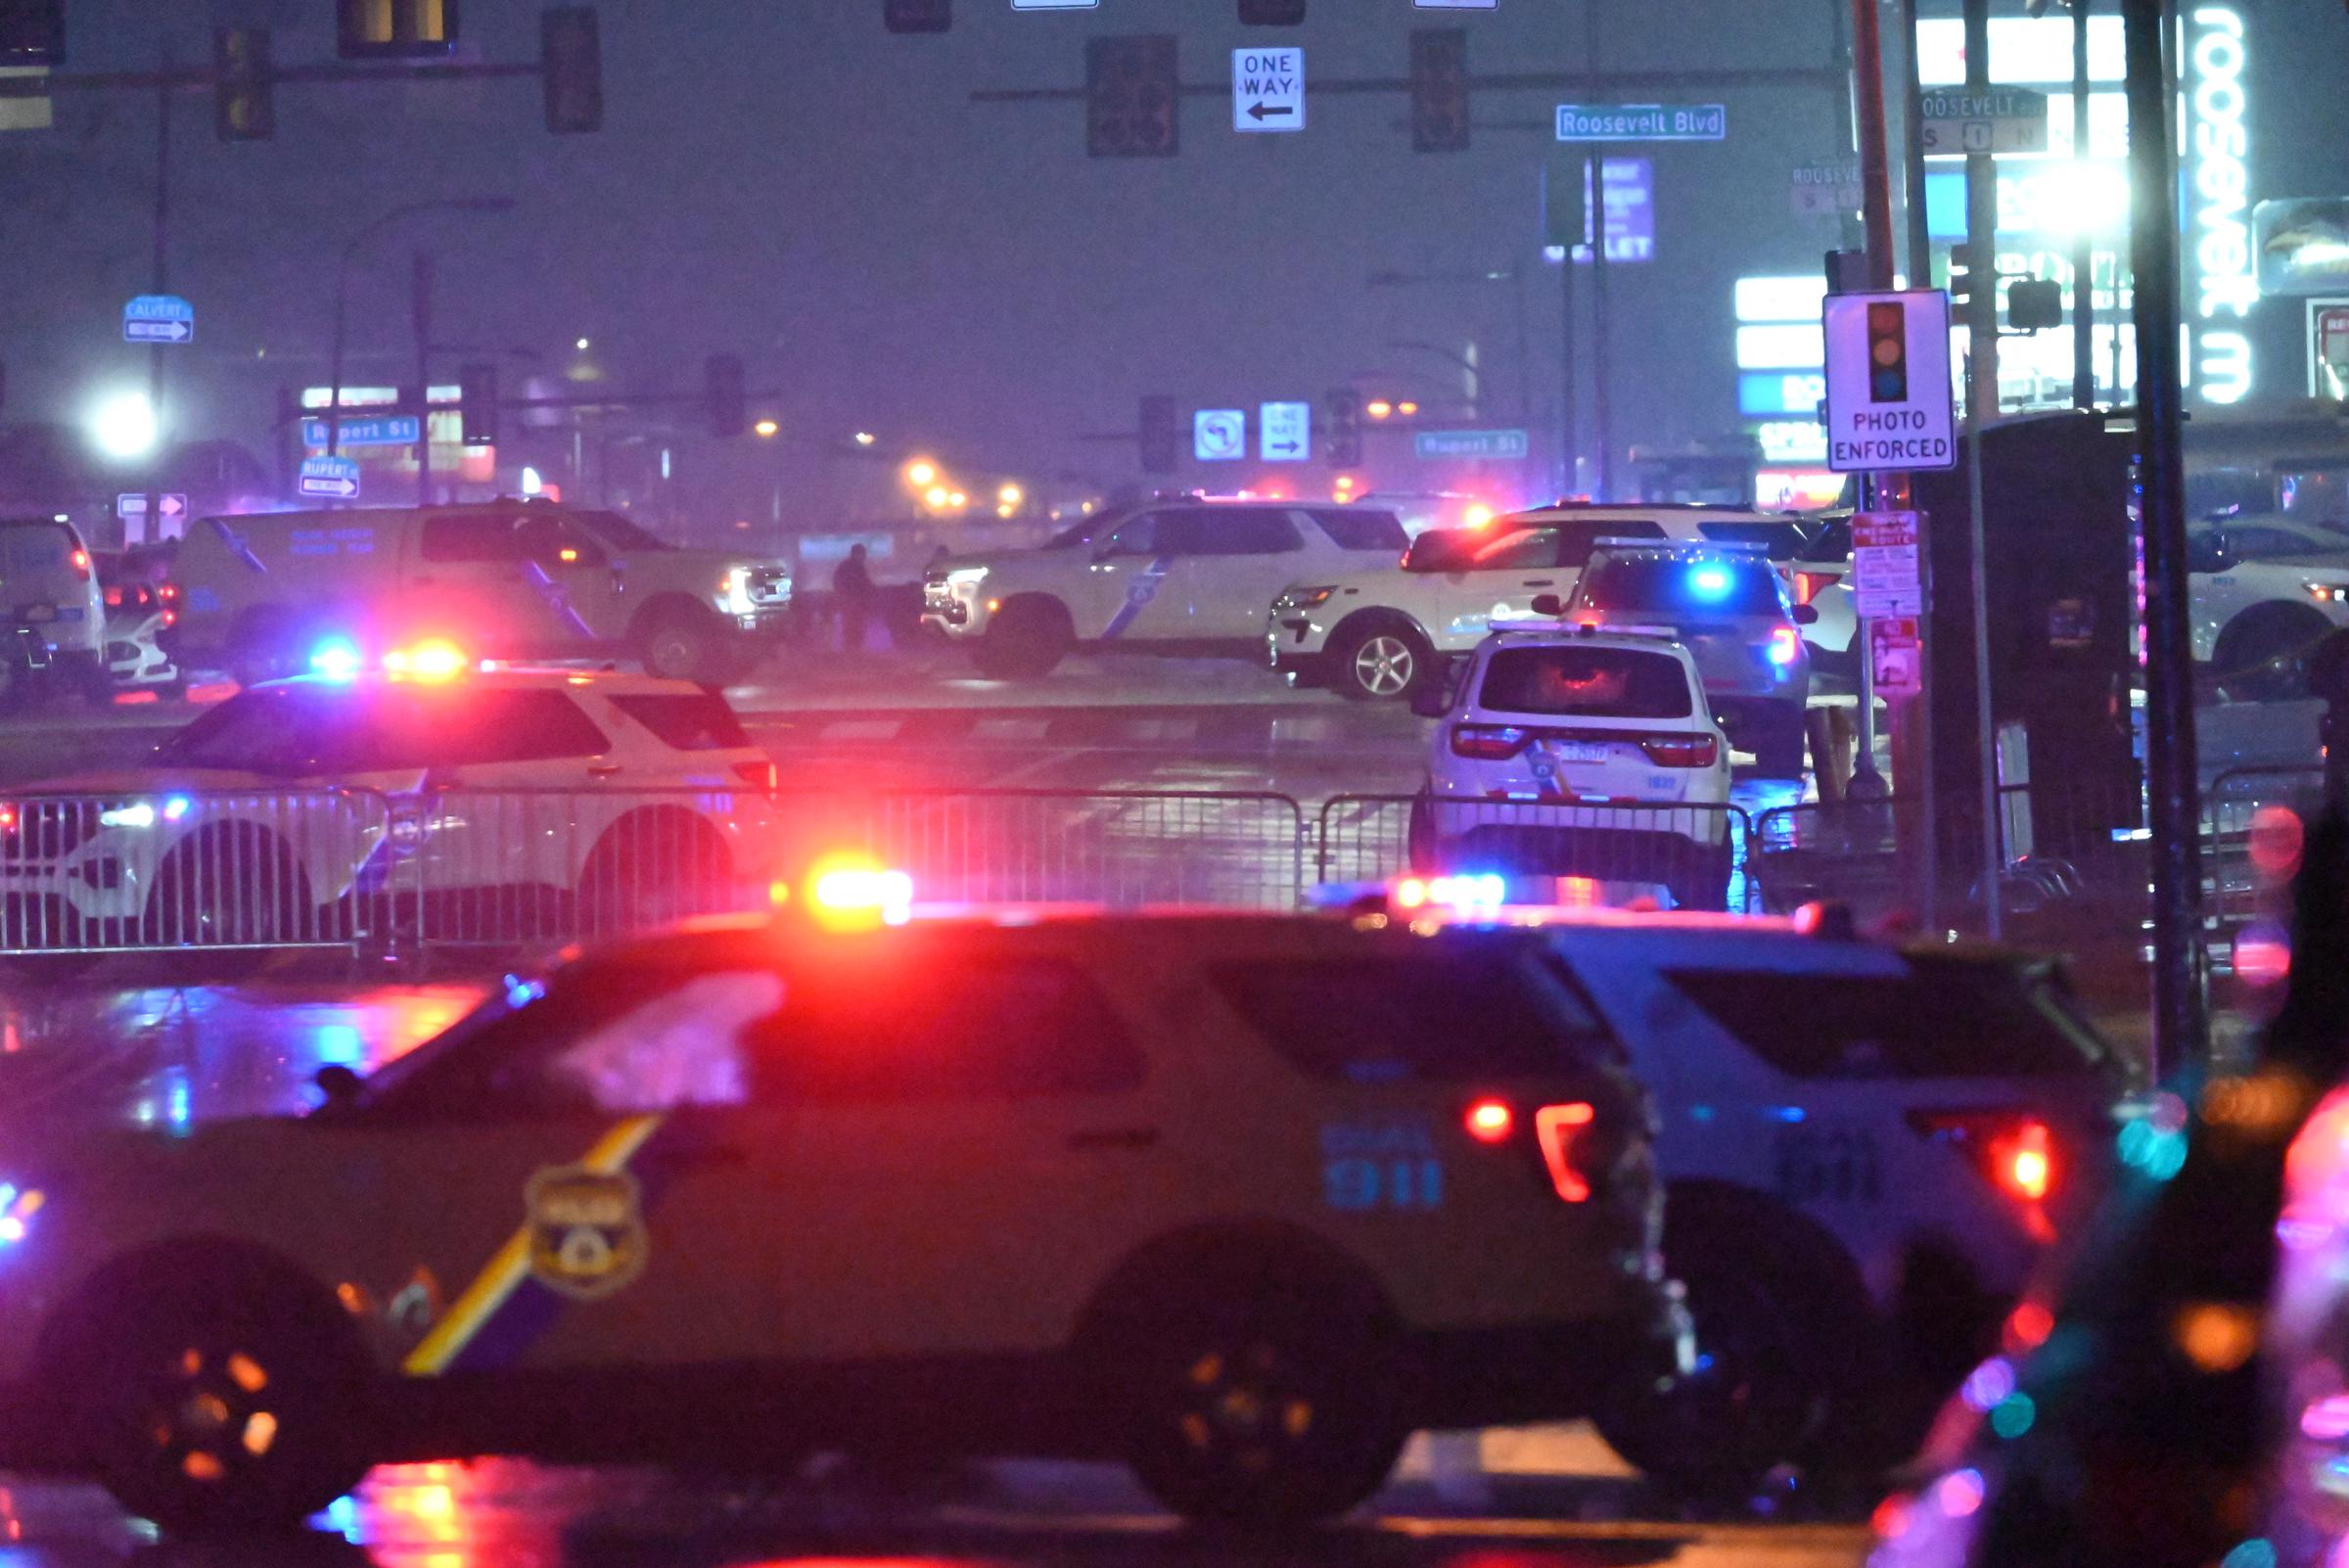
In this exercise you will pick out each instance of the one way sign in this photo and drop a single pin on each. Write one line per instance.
(1267, 89)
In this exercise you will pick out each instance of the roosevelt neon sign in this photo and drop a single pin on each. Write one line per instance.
(2223, 279)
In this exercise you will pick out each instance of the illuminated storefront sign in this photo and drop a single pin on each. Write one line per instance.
(1765, 394)
(2222, 282)
(1792, 440)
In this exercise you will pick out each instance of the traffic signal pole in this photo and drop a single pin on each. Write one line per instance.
(1866, 782)
(152, 524)
(2181, 1020)
(1982, 410)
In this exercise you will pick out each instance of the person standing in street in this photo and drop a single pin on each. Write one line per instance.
(853, 594)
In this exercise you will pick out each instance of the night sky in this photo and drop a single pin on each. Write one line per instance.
(783, 179)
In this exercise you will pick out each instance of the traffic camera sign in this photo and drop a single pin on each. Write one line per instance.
(1888, 381)
(1267, 89)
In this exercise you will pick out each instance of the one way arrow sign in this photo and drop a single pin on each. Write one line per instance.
(1267, 89)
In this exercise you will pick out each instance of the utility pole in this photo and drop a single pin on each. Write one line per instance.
(1981, 411)
(2180, 1022)
(1602, 412)
(1892, 490)
(1912, 117)
(2084, 241)
(420, 313)
(152, 524)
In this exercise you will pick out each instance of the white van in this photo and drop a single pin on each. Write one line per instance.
(52, 608)
(522, 578)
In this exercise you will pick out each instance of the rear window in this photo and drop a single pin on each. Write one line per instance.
(1363, 530)
(35, 549)
(309, 730)
(1782, 539)
(1945, 1018)
(1226, 530)
(1681, 588)
(1586, 683)
(687, 722)
(1470, 1014)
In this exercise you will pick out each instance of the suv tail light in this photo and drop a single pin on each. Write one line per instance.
(760, 775)
(1785, 645)
(1680, 751)
(1560, 1130)
(1807, 585)
(2015, 1151)
(1488, 743)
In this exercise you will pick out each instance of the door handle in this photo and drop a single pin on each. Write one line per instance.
(604, 770)
(1539, 583)
(1113, 1137)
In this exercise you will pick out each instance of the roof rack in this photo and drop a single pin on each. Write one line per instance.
(1686, 547)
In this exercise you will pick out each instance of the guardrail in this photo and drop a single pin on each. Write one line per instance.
(1697, 854)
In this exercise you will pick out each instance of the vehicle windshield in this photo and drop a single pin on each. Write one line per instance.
(619, 531)
(1680, 587)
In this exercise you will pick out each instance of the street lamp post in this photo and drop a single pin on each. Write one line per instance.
(350, 249)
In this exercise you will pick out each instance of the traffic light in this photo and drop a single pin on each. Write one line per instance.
(1887, 351)
(394, 30)
(1439, 90)
(1345, 429)
(2034, 304)
(917, 16)
(1161, 435)
(477, 405)
(1131, 91)
(1961, 284)
(722, 380)
(1271, 12)
(570, 63)
(32, 33)
(244, 105)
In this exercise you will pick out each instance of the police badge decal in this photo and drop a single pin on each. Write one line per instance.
(587, 1237)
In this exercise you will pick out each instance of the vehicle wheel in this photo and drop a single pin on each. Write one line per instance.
(218, 1403)
(1782, 1358)
(1699, 879)
(1254, 1399)
(686, 646)
(653, 867)
(1778, 740)
(1025, 640)
(97, 685)
(2262, 656)
(234, 886)
(1422, 854)
(1380, 662)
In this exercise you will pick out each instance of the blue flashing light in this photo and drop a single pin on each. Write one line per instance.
(178, 806)
(1790, 1113)
(336, 659)
(1711, 582)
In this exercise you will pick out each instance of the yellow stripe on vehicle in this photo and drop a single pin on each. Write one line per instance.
(495, 1284)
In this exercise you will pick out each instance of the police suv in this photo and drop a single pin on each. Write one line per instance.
(1188, 575)
(1242, 1200)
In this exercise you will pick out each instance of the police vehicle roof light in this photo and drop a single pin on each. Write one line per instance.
(1711, 582)
(847, 893)
(336, 659)
(436, 659)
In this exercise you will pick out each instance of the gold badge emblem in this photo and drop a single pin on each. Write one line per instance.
(587, 1235)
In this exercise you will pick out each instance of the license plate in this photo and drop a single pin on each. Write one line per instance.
(1575, 752)
(41, 612)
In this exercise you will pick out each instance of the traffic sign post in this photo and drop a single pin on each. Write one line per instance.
(1504, 446)
(1219, 434)
(1975, 119)
(158, 318)
(1888, 381)
(131, 508)
(1286, 433)
(334, 477)
(1643, 122)
(1267, 89)
(371, 429)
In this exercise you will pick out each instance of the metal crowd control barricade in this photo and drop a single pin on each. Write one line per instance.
(2236, 891)
(1696, 852)
(192, 870)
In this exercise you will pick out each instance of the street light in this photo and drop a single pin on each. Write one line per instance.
(765, 427)
(921, 474)
(350, 249)
(124, 425)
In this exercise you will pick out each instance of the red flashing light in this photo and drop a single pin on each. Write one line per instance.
(2025, 1162)
(1807, 585)
(81, 565)
(2028, 1326)
(1491, 1121)
(2275, 842)
(1558, 1127)
(2017, 1153)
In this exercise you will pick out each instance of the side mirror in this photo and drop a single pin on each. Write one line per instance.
(1806, 615)
(1549, 605)
(1431, 700)
(341, 1087)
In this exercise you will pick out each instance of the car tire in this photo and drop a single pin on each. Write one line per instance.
(229, 886)
(1255, 1396)
(2262, 655)
(210, 1401)
(1380, 661)
(1780, 741)
(686, 644)
(653, 867)
(1026, 639)
(1785, 1352)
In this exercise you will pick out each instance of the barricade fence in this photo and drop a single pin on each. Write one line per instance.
(376, 874)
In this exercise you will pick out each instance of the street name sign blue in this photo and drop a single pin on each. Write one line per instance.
(158, 318)
(336, 477)
(1643, 122)
(1434, 445)
(365, 430)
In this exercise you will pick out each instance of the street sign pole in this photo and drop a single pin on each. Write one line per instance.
(1602, 410)
(1868, 783)
(1982, 410)
(157, 350)
(2180, 1022)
